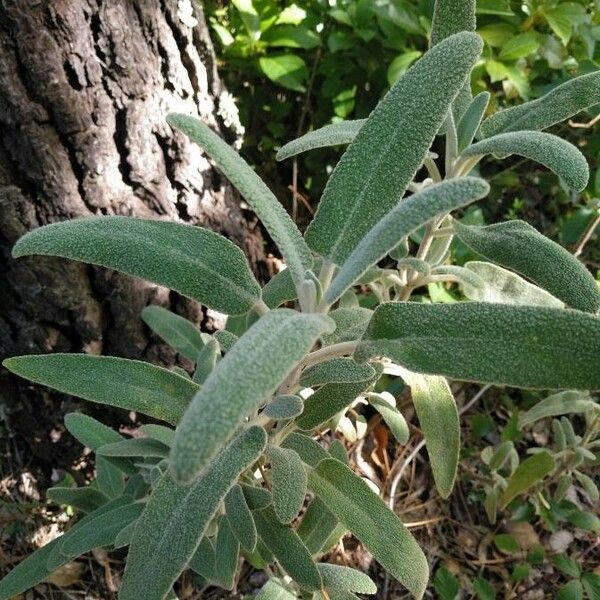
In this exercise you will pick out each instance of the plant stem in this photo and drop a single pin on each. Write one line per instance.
(329, 352)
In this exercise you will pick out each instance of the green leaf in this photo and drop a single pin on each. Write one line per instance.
(553, 152)
(401, 64)
(450, 17)
(318, 523)
(336, 370)
(439, 420)
(288, 549)
(350, 324)
(561, 103)
(519, 247)
(385, 405)
(469, 123)
(279, 289)
(176, 517)
(249, 16)
(351, 500)
(240, 518)
(291, 36)
(193, 261)
(483, 589)
(284, 407)
(138, 447)
(227, 549)
(500, 286)
(520, 346)
(570, 591)
(203, 561)
(520, 46)
(256, 497)
(226, 339)
(184, 337)
(567, 565)
(506, 543)
(206, 361)
(338, 577)
(445, 584)
(494, 7)
(310, 452)
(109, 478)
(100, 531)
(562, 403)
(527, 474)
(265, 354)
(371, 178)
(266, 206)
(164, 435)
(86, 499)
(402, 220)
(287, 70)
(329, 400)
(141, 387)
(289, 482)
(123, 538)
(591, 585)
(336, 134)
(274, 589)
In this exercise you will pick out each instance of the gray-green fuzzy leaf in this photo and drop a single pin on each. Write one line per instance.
(275, 590)
(268, 209)
(226, 339)
(339, 577)
(450, 17)
(335, 134)
(240, 518)
(521, 346)
(528, 473)
(504, 287)
(392, 417)
(381, 532)
(440, 423)
(318, 523)
(279, 289)
(310, 451)
(193, 261)
(469, 123)
(86, 499)
(350, 324)
(288, 549)
(377, 167)
(289, 482)
(128, 384)
(138, 447)
(176, 518)
(227, 549)
(265, 355)
(207, 360)
(519, 247)
(184, 337)
(553, 152)
(163, 434)
(562, 403)
(256, 497)
(284, 407)
(564, 101)
(336, 370)
(403, 219)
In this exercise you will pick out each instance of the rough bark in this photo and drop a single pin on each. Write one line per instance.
(84, 89)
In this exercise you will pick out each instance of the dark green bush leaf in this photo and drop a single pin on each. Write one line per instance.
(164, 435)
(268, 209)
(370, 178)
(528, 473)
(176, 518)
(351, 500)
(445, 584)
(519, 247)
(141, 387)
(193, 261)
(268, 351)
(553, 152)
(521, 346)
(570, 591)
(289, 482)
(86, 499)
(142, 447)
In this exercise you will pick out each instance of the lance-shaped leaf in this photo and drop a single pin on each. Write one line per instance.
(226, 339)
(193, 261)
(350, 324)
(128, 384)
(519, 247)
(275, 589)
(284, 407)
(375, 170)
(351, 500)
(553, 152)
(240, 518)
(562, 403)
(163, 434)
(176, 517)
(336, 370)
(528, 473)
(521, 346)
(469, 123)
(338, 577)
(288, 549)
(207, 360)
(318, 523)
(124, 537)
(450, 17)
(138, 447)
(289, 482)
(310, 451)
(100, 531)
(501, 286)
(109, 478)
(559, 104)
(256, 497)
(250, 372)
(279, 289)
(86, 499)
(268, 209)
(385, 405)
(402, 220)
(203, 561)
(329, 400)
(439, 421)
(335, 134)
(184, 337)
(227, 549)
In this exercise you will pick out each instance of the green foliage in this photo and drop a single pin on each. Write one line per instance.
(528, 473)
(240, 518)
(284, 407)
(289, 482)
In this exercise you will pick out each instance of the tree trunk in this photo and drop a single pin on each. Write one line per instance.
(84, 89)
